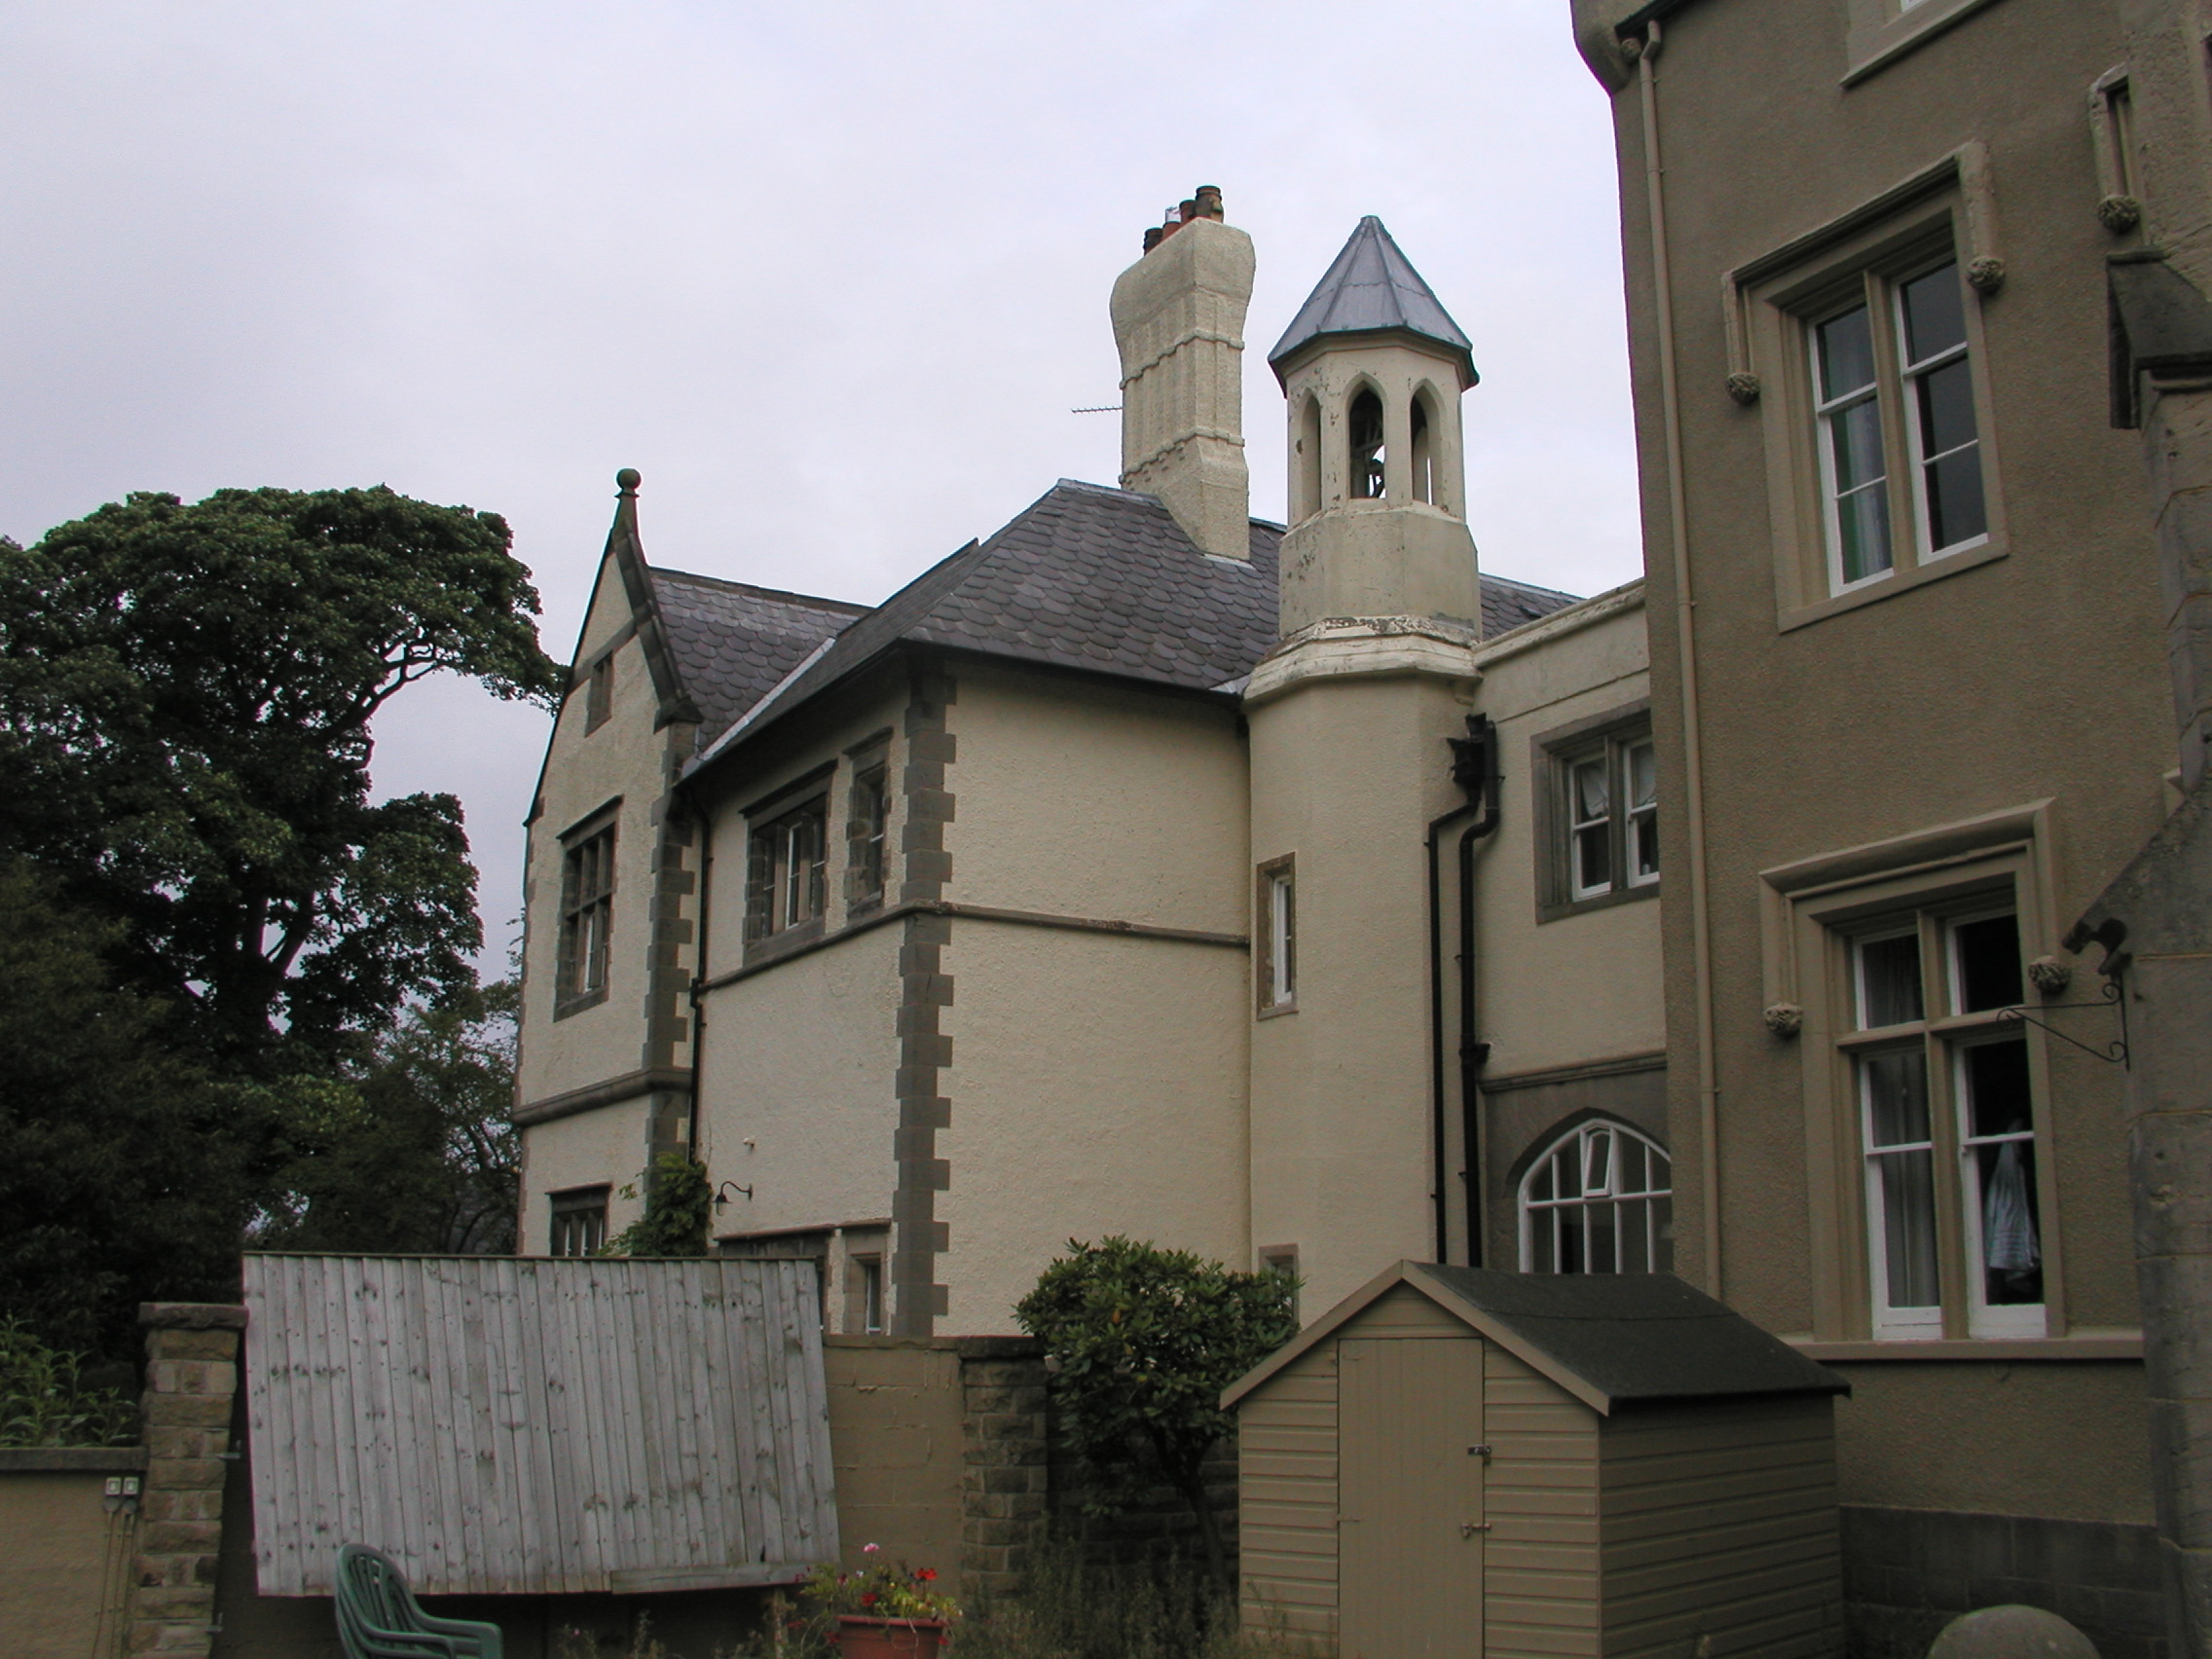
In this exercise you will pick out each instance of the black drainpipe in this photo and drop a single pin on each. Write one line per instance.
(1474, 769)
(706, 826)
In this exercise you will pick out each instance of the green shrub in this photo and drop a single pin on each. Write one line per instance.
(43, 1403)
(1140, 1341)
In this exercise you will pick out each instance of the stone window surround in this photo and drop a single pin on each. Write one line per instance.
(588, 1201)
(602, 820)
(1767, 305)
(761, 945)
(1804, 908)
(1548, 753)
(1882, 31)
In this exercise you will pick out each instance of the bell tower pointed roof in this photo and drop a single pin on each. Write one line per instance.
(1373, 288)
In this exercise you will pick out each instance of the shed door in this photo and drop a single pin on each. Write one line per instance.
(1410, 1499)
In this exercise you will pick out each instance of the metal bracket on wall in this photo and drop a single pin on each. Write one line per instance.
(2114, 996)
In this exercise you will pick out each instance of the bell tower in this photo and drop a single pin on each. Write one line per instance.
(1372, 368)
(1352, 719)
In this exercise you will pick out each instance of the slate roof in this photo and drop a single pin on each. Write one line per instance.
(732, 642)
(1371, 287)
(1638, 1337)
(1508, 605)
(1087, 577)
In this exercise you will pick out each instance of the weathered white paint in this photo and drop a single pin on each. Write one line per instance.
(510, 1426)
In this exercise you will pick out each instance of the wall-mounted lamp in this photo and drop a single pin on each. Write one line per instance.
(727, 1187)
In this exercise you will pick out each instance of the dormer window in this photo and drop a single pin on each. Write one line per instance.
(1367, 456)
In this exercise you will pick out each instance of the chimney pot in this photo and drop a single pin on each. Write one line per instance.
(1209, 201)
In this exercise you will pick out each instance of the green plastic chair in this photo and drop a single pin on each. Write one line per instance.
(378, 1617)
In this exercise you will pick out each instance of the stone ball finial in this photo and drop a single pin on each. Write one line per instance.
(2120, 214)
(2010, 1632)
(628, 480)
(1743, 387)
(1986, 274)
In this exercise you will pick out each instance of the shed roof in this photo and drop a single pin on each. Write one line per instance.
(1610, 1340)
(1373, 288)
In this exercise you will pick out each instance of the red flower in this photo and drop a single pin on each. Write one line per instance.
(927, 1574)
(869, 1600)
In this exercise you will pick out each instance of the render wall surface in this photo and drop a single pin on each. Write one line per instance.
(796, 1087)
(1076, 797)
(65, 1585)
(2035, 675)
(1565, 1003)
(609, 1144)
(626, 759)
(1345, 776)
(1096, 1088)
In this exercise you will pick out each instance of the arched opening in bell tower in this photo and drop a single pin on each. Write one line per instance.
(1423, 450)
(1365, 428)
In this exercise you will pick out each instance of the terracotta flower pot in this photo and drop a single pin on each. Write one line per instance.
(861, 1637)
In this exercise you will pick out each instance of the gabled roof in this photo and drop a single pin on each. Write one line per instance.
(1610, 1340)
(1374, 288)
(732, 642)
(1085, 578)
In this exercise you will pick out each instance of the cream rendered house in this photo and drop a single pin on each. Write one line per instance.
(1131, 870)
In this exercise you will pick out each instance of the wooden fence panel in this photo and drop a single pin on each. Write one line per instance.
(508, 1426)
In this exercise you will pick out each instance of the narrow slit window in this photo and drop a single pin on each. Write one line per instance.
(1277, 955)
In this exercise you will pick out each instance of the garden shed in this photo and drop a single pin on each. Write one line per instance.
(1551, 1465)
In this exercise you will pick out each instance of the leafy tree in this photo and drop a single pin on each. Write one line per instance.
(408, 1149)
(1141, 1344)
(679, 1206)
(186, 695)
(125, 1171)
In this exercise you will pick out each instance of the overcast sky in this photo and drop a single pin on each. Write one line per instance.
(831, 276)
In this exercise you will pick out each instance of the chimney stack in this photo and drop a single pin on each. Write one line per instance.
(1179, 322)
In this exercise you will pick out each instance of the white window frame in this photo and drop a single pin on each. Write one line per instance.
(1276, 964)
(1826, 414)
(1615, 751)
(1943, 1034)
(1585, 1138)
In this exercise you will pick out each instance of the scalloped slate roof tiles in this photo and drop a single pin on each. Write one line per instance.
(1087, 577)
(732, 642)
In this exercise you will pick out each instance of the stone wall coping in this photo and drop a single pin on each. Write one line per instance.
(192, 1315)
(70, 1459)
